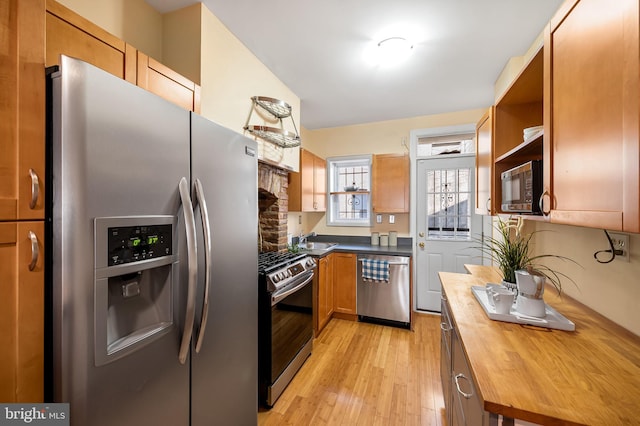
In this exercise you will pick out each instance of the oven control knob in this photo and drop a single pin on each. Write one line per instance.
(311, 263)
(275, 278)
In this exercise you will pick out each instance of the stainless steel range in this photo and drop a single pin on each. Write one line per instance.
(285, 327)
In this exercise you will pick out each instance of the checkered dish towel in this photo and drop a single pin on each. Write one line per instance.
(374, 270)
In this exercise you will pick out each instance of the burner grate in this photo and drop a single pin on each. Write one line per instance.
(273, 259)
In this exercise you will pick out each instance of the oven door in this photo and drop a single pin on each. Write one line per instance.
(291, 322)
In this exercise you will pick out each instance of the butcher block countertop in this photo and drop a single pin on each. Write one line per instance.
(552, 377)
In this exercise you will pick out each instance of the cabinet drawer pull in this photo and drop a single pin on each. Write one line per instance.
(462, 376)
(35, 250)
(541, 203)
(35, 189)
(487, 205)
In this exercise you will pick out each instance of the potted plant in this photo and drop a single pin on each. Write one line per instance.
(510, 251)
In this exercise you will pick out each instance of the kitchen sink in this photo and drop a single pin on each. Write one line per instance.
(316, 245)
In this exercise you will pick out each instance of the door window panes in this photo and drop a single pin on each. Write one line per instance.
(449, 204)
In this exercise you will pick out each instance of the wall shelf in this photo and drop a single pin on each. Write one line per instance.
(530, 149)
(279, 110)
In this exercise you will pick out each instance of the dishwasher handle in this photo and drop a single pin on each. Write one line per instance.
(391, 263)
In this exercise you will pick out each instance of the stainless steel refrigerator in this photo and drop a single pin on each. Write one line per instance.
(152, 280)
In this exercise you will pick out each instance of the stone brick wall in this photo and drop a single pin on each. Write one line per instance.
(273, 207)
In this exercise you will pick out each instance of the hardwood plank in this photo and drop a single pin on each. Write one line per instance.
(366, 374)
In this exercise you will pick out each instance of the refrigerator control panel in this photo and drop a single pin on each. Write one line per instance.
(136, 243)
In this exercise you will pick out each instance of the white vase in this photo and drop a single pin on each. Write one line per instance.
(530, 294)
(511, 286)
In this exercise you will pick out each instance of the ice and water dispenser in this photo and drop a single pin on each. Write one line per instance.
(136, 271)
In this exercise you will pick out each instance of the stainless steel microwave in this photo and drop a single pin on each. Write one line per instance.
(522, 188)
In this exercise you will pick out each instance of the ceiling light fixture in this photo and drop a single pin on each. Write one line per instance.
(393, 50)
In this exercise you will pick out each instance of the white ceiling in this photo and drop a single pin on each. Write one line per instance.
(317, 49)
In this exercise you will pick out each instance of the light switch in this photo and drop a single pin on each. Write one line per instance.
(392, 218)
(379, 218)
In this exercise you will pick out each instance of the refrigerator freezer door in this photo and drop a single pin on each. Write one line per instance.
(119, 152)
(224, 372)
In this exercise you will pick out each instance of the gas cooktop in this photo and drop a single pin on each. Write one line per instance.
(268, 261)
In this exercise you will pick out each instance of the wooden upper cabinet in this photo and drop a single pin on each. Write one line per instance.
(308, 188)
(344, 284)
(592, 107)
(320, 183)
(22, 130)
(163, 81)
(70, 34)
(391, 183)
(484, 164)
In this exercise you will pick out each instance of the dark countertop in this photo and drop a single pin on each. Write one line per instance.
(353, 244)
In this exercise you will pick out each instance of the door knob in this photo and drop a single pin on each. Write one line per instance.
(421, 245)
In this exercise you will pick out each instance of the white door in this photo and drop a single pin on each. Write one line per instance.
(446, 223)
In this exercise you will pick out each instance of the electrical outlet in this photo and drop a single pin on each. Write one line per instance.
(392, 218)
(378, 218)
(620, 245)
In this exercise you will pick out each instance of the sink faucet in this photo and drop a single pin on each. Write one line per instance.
(303, 237)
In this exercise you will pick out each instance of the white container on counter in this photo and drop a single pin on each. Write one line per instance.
(393, 238)
(375, 238)
(384, 240)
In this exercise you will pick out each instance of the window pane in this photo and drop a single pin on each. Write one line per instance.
(449, 203)
(463, 205)
(348, 208)
(463, 178)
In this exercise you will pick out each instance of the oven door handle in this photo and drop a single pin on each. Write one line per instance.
(277, 298)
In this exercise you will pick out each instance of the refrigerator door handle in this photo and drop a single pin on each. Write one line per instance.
(192, 259)
(206, 230)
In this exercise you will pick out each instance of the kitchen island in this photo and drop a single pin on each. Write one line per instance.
(587, 376)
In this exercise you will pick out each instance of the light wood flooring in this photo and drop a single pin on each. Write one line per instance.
(366, 374)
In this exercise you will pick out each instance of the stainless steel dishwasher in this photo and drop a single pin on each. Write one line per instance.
(386, 302)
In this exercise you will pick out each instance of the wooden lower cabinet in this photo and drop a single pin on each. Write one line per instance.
(335, 289)
(463, 404)
(21, 311)
(344, 285)
(324, 291)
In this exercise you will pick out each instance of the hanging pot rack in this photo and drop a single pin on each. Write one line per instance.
(279, 109)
